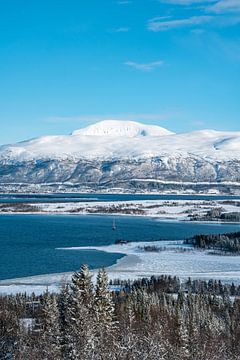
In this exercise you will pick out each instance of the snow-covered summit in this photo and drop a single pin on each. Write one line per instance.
(113, 139)
(119, 152)
(122, 128)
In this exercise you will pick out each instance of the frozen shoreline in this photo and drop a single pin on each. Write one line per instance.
(135, 263)
(138, 263)
(193, 263)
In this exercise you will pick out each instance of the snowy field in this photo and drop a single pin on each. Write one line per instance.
(162, 209)
(138, 263)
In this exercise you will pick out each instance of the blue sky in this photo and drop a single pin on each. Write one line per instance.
(67, 63)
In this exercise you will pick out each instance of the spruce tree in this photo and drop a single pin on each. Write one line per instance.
(103, 300)
(104, 312)
(82, 283)
(51, 329)
(81, 316)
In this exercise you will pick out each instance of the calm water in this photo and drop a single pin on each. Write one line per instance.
(28, 242)
(6, 198)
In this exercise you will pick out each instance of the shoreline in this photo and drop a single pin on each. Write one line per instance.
(212, 188)
(154, 217)
(159, 209)
(176, 211)
(137, 263)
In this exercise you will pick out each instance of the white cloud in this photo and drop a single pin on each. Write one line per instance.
(186, 2)
(144, 67)
(218, 6)
(214, 13)
(224, 6)
(159, 24)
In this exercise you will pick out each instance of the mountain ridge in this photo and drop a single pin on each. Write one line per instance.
(116, 153)
(119, 140)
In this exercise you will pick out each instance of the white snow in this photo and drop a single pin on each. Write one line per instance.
(37, 284)
(28, 289)
(160, 209)
(195, 263)
(138, 263)
(113, 139)
(122, 128)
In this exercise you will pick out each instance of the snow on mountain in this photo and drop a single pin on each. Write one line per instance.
(119, 152)
(122, 128)
(112, 139)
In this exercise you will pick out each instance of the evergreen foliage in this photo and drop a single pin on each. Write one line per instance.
(229, 242)
(156, 319)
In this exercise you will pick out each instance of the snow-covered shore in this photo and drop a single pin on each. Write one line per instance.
(138, 263)
(172, 261)
(161, 209)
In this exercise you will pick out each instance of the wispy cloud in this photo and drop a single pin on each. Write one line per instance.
(121, 29)
(186, 2)
(224, 6)
(146, 67)
(218, 6)
(160, 24)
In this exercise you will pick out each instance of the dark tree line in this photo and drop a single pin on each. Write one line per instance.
(155, 319)
(217, 214)
(229, 242)
(172, 285)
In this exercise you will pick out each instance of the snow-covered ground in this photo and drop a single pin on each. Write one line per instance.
(162, 209)
(37, 284)
(172, 261)
(139, 263)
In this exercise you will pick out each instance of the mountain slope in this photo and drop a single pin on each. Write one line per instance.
(120, 153)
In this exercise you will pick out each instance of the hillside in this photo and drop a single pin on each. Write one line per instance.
(126, 155)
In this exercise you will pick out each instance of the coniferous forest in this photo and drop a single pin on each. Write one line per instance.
(158, 318)
(228, 243)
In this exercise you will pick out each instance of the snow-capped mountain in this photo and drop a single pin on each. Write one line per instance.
(118, 153)
(122, 128)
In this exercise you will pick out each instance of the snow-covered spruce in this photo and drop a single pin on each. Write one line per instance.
(154, 319)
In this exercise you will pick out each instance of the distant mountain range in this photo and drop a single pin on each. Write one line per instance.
(125, 155)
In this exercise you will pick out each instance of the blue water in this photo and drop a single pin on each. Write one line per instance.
(28, 242)
(39, 198)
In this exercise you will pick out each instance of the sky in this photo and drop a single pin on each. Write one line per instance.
(65, 64)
